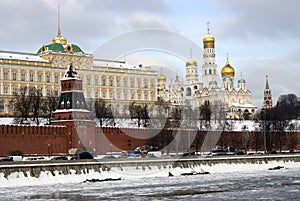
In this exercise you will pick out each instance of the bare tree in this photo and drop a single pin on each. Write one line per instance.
(139, 112)
(22, 105)
(205, 114)
(103, 113)
(50, 105)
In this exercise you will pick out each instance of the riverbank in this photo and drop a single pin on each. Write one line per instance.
(49, 172)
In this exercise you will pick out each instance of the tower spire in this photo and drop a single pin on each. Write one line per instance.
(58, 22)
(267, 83)
(191, 53)
(208, 29)
(267, 95)
(59, 38)
(227, 59)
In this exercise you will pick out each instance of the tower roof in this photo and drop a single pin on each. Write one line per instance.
(208, 40)
(191, 61)
(161, 77)
(267, 83)
(227, 70)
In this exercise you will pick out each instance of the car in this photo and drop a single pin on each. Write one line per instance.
(56, 158)
(6, 159)
(82, 155)
(271, 152)
(109, 157)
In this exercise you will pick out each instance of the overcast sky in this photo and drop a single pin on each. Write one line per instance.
(262, 37)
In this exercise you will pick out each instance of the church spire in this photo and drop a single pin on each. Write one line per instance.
(267, 95)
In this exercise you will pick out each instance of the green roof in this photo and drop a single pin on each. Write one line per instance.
(58, 47)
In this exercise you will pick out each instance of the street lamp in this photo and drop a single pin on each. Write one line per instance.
(49, 150)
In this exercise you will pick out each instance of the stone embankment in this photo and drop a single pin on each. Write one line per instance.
(34, 169)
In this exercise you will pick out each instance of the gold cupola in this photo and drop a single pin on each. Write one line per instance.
(161, 78)
(59, 38)
(227, 70)
(208, 40)
(191, 61)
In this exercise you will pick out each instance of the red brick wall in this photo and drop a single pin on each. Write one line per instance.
(116, 139)
(33, 139)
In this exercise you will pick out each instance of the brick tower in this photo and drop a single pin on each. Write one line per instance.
(72, 112)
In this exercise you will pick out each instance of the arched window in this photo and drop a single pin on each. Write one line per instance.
(209, 71)
(14, 76)
(111, 81)
(1, 106)
(188, 91)
(103, 81)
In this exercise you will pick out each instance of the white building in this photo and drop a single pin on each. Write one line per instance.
(219, 89)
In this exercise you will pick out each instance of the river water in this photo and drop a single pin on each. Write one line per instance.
(283, 184)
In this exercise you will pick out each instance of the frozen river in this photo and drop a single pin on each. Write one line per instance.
(283, 184)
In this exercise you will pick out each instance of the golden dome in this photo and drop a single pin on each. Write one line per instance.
(59, 39)
(227, 70)
(178, 89)
(161, 78)
(191, 62)
(160, 88)
(208, 40)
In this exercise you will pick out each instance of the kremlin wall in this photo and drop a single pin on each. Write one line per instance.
(57, 140)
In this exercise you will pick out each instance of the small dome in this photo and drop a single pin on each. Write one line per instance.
(213, 84)
(241, 81)
(160, 88)
(171, 85)
(179, 90)
(161, 78)
(227, 70)
(191, 62)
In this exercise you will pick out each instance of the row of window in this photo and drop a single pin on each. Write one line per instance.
(15, 89)
(104, 81)
(125, 82)
(118, 95)
(209, 72)
(31, 77)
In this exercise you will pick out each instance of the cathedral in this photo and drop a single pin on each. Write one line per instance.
(219, 90)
